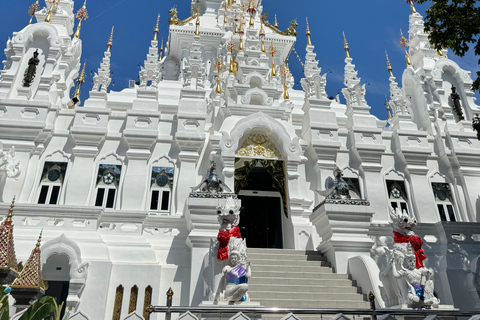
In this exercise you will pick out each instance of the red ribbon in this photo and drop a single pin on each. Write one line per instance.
(416, 243)
(223, 239)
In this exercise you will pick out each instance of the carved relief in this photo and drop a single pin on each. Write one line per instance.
(258, 145)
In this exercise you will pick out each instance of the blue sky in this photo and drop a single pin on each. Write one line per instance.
(371, 27)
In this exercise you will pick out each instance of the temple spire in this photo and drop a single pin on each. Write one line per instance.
(31, 275)
(110, 41)
(155, 31)
(345, 45)
(251, 10)
(276, 23)
(31, 11)
(82, 14)
(411, 5)
(8, 258)
(309, 41)
(389, 66)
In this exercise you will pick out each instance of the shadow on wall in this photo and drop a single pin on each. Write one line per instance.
(478, 209)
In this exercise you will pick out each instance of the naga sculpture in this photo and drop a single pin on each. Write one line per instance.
(211, 183)
(405, 273)
(227, 271)
(31, 70)
(289, 32)
(337, 188)
(177, 22)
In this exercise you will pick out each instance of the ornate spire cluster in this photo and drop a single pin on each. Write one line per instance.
(354, 93)
(151, 69)
(398, 103)
(314, 83)
(31, 275)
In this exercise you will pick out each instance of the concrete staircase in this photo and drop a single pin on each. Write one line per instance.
(299, 279)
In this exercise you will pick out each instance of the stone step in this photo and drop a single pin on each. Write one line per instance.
(291, 262)
(266, 295)
(305, 282)
(294, 303)
(295, 275)
(255, 287)
(290, 269)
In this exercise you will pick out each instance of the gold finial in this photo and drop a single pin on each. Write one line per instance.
(155, 31)
(219, 67)
(53, 3)
(262, 37)
(272, 51)
(225, 17)
(440, 53)
(388, 108)
(161, 51)
(251, 10)
(32, 10)
(110, 41)
(345, 45)
(389, 66)
(411, 5)
(9, 219)
(39, 241)
(231, 49)
(285, 72)
(197, 26)
(309, 41)
(241, 32)
(80, 82)
(236, 23)
(82, 14)
(403, 43)
(276, 23)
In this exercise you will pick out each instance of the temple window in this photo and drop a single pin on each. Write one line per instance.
(161, 183)
(108, 179)
(444, 201)
(397, 196)
(51, 183)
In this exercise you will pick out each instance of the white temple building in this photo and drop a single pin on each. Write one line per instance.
(115, 182)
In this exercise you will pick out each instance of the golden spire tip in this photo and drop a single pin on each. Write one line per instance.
(155, 31)
(110, 41)
(389, 66)
(309, 41)
(345, 45)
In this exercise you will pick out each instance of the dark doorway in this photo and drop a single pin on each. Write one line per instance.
(261, 221)
(59, 290)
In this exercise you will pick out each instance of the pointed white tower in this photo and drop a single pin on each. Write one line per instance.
(151, 69)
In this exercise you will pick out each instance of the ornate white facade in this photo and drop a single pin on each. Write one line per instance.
(110, 182)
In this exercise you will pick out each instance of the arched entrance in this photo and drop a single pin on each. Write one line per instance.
(261, 185)
(56, 272)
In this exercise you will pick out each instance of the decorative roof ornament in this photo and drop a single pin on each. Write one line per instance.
(309, 41)
(411, 5)
(197, 26)
(291, 32)
(155, 31)
(110, 41)
(219, 66)
(389, 66)
(251, 9)
(388, 108)
(53, 5)
(80, 81)
(82, 14)
(225, 8)
(272, 51)
(8, 259)
(31, 275)
(231, 49)
(285, 73)
(241, 33)
(345, 45)
(173, 20)
(262, 37)
(403, 43)
(32, 10)
(276, 23)
(161, 51)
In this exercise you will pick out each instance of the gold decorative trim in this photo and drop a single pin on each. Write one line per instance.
(291, 32)
(117, 308)
(147, 301)
(258, 145)
(132, 305)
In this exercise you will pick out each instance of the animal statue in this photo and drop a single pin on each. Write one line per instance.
(337, 188)
(211, 182)
(227, 267)
(405, 273)
(173, 20)
(289, 32)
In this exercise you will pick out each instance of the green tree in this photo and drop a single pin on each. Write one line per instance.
(455, 24)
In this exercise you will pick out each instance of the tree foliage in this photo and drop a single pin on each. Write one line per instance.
(455, 24)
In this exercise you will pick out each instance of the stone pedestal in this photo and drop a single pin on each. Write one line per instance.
(343, 228)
